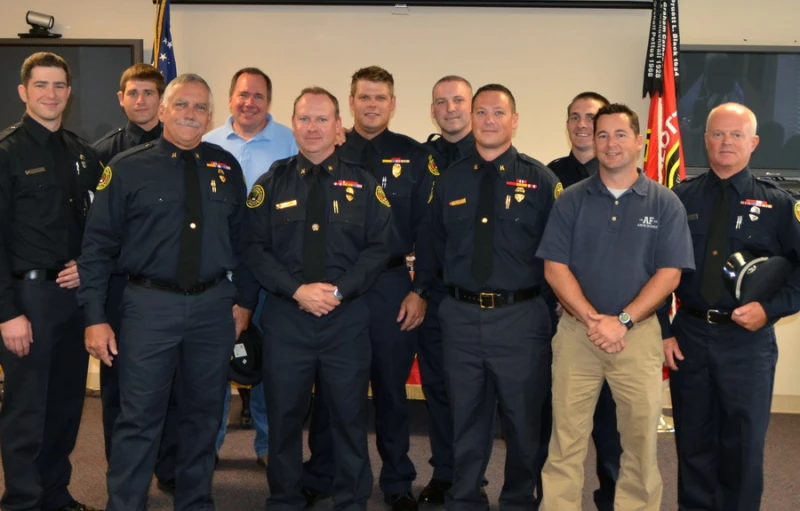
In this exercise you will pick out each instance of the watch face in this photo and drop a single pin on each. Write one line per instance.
(624, 317)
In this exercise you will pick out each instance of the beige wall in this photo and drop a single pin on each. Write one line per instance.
(544, 56)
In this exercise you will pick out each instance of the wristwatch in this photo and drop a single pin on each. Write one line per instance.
(626, 320)
(338, 294)
(423, 293)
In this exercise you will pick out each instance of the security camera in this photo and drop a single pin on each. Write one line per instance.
(40, 25)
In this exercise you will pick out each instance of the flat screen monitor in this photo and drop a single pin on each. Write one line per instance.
(588, 4)
(95, 67)
(765, 79)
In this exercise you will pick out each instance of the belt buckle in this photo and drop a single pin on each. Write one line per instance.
(481, 296)
(708, 316)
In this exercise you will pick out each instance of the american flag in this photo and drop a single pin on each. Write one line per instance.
(163, 52)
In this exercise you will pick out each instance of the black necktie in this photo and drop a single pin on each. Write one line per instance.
(316, 225)
(369, 156)
(188, 273)
(717, 248)
(450, 153)
(483, 249)
(149, 136)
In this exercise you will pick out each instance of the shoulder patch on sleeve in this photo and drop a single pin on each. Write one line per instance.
(105, 179)
(797, 211)
(432, 168)
(558, 190)
(256, 197)
(381, 196)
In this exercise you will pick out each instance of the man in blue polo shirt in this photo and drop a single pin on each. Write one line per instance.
(256, 141)
(614, 249)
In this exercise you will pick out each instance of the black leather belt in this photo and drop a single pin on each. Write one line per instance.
(37, 275)
(396, 262)
(161, 285)
(713, 316)
(492, 299)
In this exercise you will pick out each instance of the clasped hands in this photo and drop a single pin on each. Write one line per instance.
(606, 332)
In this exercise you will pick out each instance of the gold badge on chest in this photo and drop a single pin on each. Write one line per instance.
(349, 193)
(397, 170)
(519, 194)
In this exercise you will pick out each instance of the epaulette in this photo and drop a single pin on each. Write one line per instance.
(133, 150)
(691, 178)
(771, 182)
(8, 131)
(678, 188)
(108, 135)
(216, 147)
(462, 159)
(433, 137)
(279, 167)
(349, 161)
(524, 157)
(411, 141)
(77, 137)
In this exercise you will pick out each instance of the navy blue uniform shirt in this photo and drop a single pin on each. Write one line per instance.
(614, 246)
(139, 214)
(406, 172)
(123, 139)
(569, 170)
(47, 180)
(765, 220)
(357, 235)
(524, 190)
(446, 153)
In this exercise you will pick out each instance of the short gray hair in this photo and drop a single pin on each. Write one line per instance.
(188, 78)
(737, 107)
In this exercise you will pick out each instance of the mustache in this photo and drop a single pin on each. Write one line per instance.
(188, 122)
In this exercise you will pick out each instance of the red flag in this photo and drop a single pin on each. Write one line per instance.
(663, 158)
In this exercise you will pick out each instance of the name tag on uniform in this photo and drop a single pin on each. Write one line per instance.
(37, 170)
(288, 204)
(693, 216)
(458, 202)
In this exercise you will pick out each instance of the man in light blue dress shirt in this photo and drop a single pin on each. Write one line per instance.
(256, 141)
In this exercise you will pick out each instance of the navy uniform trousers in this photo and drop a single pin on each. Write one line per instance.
(164, 334)
(43, 401)
(392, 358)
(506, 352)
(109, 393)
(721, 398)
(430, 355)
(297, 347)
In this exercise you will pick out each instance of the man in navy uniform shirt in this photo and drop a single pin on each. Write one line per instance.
(405, 171)
(168, 215)
(47, 180)
(723, 353)
(578, 165)
(318, 237)
(451, 106)
(140, 90)
(614, 249)
(487, 216)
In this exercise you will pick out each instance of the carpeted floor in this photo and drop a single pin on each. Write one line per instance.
(240, 484)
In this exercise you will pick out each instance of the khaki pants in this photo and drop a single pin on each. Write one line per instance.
(634, 376)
